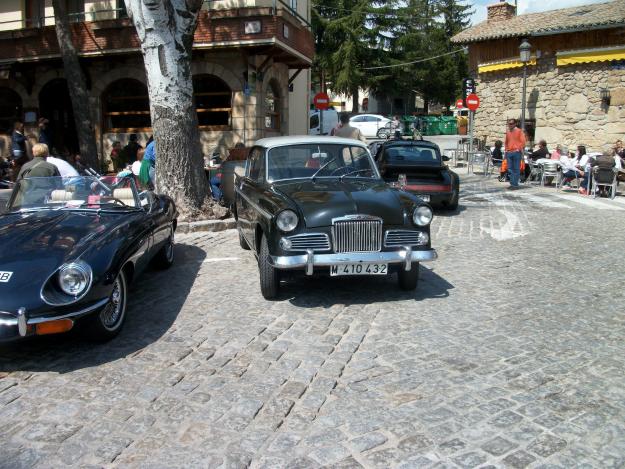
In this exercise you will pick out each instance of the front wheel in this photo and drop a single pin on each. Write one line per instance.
(409, 279)
(269, 276)
(106, 324)
(242, 241)
(383, 133)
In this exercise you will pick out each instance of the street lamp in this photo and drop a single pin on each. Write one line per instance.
(524, 49)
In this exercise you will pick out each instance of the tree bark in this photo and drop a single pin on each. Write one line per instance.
(165, 29)
(77, 87)
(355, 98)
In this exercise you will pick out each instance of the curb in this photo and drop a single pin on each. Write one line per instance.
(206, 225)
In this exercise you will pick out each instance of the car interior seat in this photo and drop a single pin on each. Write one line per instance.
(125, 195)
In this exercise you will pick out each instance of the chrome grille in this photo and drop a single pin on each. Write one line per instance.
(395, 238)
(7, 319)
(360, 234)
(314, 241)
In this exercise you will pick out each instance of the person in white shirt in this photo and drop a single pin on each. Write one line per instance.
(66, 169)
(569, 169)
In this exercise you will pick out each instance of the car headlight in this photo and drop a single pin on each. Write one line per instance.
(287, 221)
(422, 215)
(75, 278)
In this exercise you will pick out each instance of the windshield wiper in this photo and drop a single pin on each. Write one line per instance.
(353, 172)
(331, 160)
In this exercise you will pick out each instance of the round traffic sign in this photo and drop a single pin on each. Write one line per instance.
(321, 101)
(473, 102)
(459, 104)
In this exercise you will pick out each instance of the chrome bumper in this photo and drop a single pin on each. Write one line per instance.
(310, 260)
(22, 321)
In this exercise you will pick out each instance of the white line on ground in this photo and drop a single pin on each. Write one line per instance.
(220, 259)
(590, 202)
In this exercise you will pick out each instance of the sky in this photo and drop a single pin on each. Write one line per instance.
(527, 6)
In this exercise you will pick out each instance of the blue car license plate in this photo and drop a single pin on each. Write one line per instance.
(359, 268)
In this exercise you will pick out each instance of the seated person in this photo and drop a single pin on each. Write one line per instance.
(569, 169)
(540, 152)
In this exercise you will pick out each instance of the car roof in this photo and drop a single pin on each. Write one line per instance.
(272, 142)
(372, 115)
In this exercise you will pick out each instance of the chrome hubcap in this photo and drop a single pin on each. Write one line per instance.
(112, 312)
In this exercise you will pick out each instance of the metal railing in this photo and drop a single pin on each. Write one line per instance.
(120, 13)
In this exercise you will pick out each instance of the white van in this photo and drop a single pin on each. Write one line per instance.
(330, 120)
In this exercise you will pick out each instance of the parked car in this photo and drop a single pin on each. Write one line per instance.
(70, 247)
(369, 124)
(318, 205)
(417, 166)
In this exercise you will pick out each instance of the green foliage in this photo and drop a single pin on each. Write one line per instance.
(354, 35)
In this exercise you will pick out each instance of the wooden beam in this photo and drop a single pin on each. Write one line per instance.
(297, 72)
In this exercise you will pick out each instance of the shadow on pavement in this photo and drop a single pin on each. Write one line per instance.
(155, 300)
(324, 291)
(443, 212)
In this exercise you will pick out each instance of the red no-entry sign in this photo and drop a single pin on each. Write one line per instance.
(321, 101)
(459, 104)
(473, 102)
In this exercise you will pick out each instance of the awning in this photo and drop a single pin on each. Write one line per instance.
(495, 67)
(604, 54)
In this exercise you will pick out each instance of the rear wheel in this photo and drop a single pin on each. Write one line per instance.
(269, 276)
(242, 241)
(409, 279)
(109, 321)
(453, 203)
(383, 133)
(164, 258)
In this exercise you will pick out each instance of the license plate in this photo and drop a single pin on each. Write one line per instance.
(360, 268)
(425, 197)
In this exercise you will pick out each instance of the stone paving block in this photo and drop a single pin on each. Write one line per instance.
(368, 441)
(518, 460)
(546, 445)
(498, 446)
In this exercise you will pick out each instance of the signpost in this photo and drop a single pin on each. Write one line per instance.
(473, 102)
(321, 102)
(459, 103)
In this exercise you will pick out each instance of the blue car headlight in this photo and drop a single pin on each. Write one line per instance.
(75, 278)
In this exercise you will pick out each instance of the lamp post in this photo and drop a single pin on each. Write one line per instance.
(524, 49)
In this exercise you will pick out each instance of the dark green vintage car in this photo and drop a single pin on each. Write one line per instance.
(319, 205)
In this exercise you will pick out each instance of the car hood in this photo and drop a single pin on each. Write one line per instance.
(33, 245)
(324, 199)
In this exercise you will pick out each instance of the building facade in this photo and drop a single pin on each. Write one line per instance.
(251, 61)
(575, 85)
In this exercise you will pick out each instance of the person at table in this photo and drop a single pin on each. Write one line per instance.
(570, 170)
(603, 169)
(619, 149)
(514, 144)
(557, 153)
(541, 151)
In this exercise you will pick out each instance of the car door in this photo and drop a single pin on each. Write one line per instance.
(248, 191)
(359, 122)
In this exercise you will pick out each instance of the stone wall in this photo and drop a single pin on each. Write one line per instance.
(564, 101)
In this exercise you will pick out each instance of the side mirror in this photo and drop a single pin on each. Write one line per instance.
(446, 158)
(148, 200)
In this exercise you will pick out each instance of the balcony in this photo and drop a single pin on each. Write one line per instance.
(274, 30)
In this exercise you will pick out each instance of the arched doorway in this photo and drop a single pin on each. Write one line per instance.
(10, 109)
(56, 105)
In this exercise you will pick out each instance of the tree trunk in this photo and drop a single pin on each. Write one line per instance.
(355, 98)
(77, 87)
(165, 29)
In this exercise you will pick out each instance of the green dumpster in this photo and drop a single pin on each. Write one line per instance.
(431, 125)
(448, 125)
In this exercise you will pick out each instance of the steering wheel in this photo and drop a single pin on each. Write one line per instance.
(347, 169)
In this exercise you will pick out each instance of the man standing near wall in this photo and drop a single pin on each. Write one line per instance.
(515, 144)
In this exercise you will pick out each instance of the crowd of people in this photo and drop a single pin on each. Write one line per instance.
(516, 163)
(132, 159)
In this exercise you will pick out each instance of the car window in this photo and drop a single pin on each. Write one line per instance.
(411, 154)
(359, 119)
(256, 165)
(321, 160)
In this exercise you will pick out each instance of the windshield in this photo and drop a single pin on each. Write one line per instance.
(81, 192)
(402, 154)
(319, 160)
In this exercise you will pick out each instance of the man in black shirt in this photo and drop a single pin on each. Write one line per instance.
(541, 152)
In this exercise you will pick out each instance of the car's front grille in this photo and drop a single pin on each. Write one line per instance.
(314, 241)
(7, 318)
(357, 234)
(398, 238)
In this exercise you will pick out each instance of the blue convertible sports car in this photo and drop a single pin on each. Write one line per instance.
(69, 248)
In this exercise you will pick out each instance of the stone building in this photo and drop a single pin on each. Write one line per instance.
(575, 78)
(251, 62)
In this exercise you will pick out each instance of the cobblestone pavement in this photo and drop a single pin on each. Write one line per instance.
(510, 354)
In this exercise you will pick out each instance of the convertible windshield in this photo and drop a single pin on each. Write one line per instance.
(84, 192)
(318, 161)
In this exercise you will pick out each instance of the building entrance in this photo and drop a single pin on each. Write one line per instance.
(56, 105)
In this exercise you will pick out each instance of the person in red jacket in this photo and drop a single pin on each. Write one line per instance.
(514, 144)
